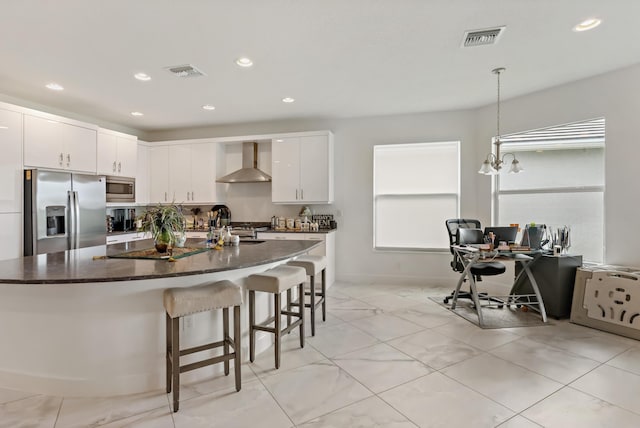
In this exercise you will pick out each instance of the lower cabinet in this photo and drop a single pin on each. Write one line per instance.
(197, 235)
(326, 248)
(127, 237)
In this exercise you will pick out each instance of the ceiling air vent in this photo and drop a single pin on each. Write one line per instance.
(186, 70)
(487, 36)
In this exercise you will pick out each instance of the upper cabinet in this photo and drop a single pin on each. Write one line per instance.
(159, 174)
(117, 153)
(11, 162)
(302, 169)
(185, 173)
(49, 143)
(142, 174)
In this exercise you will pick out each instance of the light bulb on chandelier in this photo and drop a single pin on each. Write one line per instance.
(493, 163)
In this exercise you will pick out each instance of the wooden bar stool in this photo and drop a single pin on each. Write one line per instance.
(179, 302)
(275, 281)
(314, 265)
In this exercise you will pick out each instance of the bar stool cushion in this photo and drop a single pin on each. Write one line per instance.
(312, 264)
(179, 302)
(277, 280)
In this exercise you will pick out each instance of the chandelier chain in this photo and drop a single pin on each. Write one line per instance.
(498, 72)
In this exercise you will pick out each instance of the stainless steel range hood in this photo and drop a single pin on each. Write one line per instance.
(249, 172)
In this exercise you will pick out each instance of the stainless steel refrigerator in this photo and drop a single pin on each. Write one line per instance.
(63, 211)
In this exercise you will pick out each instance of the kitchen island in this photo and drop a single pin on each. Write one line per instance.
(78, 323)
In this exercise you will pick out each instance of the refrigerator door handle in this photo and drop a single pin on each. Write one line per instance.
(74, 214)
(71, 225)
(76, 220)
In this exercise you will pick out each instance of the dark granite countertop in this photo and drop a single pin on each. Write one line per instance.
(79, 266)
(295, 231)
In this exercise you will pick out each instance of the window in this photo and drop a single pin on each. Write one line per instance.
(562, 184)
(416, 187)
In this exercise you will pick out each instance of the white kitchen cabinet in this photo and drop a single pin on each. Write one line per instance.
(127, 237)
(302, 169)
(159, 174)
(185, 173)
(54, 144)
(10, 162)
(117, 153)
(193, 173)
(326, 248)
(142, 174)
(206, 162)
(197, 235)
(10, 236)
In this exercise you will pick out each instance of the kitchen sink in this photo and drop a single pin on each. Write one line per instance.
(250, 241)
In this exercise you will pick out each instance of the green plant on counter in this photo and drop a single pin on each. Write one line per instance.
(164, 222)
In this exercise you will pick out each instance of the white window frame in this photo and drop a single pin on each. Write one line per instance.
(456, 195)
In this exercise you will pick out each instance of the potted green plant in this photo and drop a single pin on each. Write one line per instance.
(164, 222)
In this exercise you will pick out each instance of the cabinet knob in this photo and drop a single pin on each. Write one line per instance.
(68, 159)
(61, 159)
(296, 194)
(113, 168)
(302, 194)
(119, 166)
(187, 196)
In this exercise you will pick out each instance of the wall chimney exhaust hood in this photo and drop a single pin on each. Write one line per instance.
(249, 172)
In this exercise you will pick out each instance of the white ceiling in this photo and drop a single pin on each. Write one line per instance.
(337, 58)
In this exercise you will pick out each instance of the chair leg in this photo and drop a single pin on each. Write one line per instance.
(312, 282)
(278, 329)
(168, 350)
(324, 294)
(476, 300)
(237, 362)
(288, 307)
(175, 361)
(301, 308)
(252, 322)
(225, 338)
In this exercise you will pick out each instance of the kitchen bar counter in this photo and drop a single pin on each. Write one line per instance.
(79, 266)
(74, 326)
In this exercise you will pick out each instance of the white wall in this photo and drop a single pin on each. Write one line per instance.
(613, 96)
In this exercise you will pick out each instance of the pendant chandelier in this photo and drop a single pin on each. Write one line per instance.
(493, 163)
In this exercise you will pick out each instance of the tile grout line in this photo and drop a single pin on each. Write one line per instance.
(58, 414)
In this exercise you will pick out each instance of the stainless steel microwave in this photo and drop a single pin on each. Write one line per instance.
(121, 189)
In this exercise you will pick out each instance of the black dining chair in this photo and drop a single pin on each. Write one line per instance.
(468, 231)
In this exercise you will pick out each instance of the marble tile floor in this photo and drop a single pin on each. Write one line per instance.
(388, 357)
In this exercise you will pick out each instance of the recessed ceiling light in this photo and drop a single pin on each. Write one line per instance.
(4, 127)
(288, 100)
(136, 113)
(244, 62)
(54, 86)
(142, 76)
(279, 140)
(587, 24)
(208, 107)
